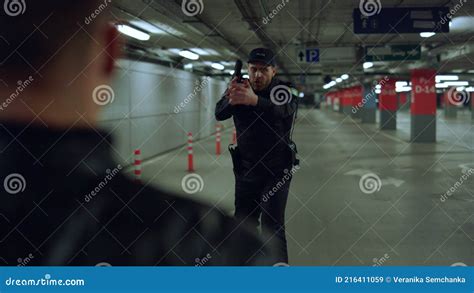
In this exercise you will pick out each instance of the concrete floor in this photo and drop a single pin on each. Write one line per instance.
(330, 220)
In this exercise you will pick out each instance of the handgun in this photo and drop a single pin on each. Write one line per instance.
(238, 71)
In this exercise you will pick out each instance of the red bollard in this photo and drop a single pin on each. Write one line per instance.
(218, 139)
(234, 136)
(190, 153)
(138, 166)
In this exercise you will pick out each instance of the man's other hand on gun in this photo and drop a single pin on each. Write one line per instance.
(241, 93)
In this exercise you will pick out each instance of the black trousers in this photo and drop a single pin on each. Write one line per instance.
(262, 194)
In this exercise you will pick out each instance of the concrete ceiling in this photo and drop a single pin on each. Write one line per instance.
(229, 29)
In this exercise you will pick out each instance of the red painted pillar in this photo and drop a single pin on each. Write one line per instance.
(358, 93)
(423, 105)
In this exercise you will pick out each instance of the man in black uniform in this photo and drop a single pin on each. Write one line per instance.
(263, 109)
(63, 199)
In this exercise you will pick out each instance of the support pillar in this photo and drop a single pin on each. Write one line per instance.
(452, 99)
(472, 107)
(423, 106)
(358, 92)
(388, 105)
(369, 108)
(346, 102)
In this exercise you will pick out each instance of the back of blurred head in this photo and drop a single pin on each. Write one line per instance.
(65, 49)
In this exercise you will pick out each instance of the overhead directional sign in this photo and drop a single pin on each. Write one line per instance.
(402, 20)
(392, 53)
(308, 55)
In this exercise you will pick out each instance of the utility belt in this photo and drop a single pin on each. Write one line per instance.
(289, 160)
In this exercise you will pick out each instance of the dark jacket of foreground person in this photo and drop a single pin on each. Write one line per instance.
(65, 201)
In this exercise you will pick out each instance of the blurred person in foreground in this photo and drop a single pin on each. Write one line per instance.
(64, 200)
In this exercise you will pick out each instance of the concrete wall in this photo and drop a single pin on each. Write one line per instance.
(156, 106)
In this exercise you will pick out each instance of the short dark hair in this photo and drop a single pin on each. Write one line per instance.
(37, 30)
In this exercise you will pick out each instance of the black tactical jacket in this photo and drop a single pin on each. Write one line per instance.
(263, 131)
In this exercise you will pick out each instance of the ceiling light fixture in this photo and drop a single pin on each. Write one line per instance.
(133, 32)
(427, 34)
(189, 55)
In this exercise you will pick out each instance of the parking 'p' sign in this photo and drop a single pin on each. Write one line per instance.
(308, 55)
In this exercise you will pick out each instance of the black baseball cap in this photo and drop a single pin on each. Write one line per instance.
(262, 55)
